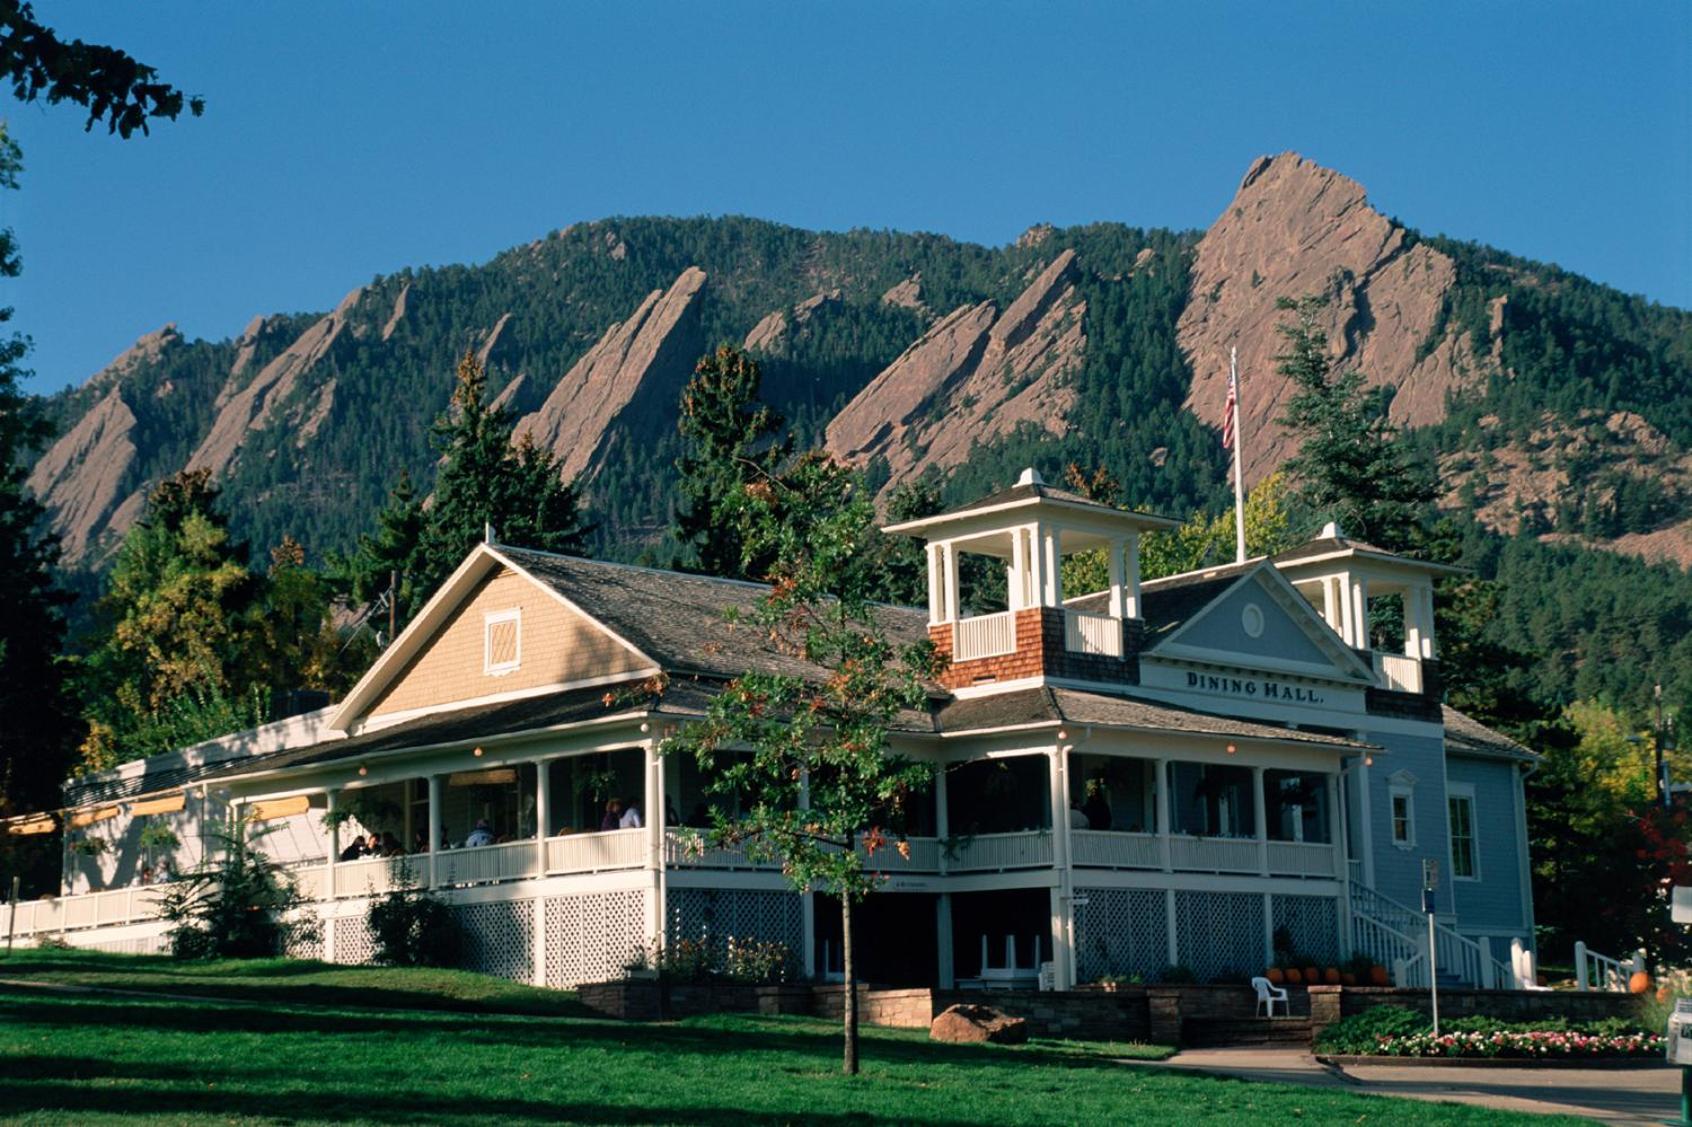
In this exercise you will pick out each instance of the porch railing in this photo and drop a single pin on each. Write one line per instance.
(1398, 672)
(1214, 854)
(1302, 859)
(1600, 972)
(924, 856)
(985, 635)
(1086, 632)
(596, 852)
(993, 852)
(377, 876)
(484, 864)
(1111, 849)
(686, 849)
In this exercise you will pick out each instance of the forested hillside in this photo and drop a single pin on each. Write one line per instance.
(1559, 411)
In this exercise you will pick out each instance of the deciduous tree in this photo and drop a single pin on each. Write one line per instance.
(810, 757)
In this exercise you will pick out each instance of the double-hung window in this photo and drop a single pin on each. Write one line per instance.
(1401, 809)
(1465, 856)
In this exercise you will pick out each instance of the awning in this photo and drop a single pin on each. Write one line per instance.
(278, 808)
(89, 817)
(169, 804)
(39, 824)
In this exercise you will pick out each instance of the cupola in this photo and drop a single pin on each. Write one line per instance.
(1345, 578)
(996, 599)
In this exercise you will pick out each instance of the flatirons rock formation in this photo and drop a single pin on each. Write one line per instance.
(639, 363)
(976, 375)
(1295, 228)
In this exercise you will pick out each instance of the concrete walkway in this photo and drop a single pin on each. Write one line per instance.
(1624, 1096)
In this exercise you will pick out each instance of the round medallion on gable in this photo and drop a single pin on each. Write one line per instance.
(1251, 620)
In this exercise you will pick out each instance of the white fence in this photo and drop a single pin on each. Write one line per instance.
(596, 852)
(1302, 859)
(1089, 633)
(986, 635)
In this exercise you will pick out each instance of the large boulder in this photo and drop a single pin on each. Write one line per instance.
(966, 1023)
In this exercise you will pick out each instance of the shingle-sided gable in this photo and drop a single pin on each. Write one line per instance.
(508, 635)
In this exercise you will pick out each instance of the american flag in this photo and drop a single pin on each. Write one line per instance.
(1228, 411)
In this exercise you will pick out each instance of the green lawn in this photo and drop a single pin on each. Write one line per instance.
(304, 1043)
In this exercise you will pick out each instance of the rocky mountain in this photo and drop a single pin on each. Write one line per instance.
(1556, 407)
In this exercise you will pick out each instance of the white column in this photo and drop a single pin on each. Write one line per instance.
(331, 804)
(1173, 931)
(808, 932)
(1360, 614)
(942, 826)
(434, 829)
(1268, 930)
(1131, 598)
(1036, 557)
(1018, 579)
(1164, 827)
(1063, 962)
(653, 826)
(949, 580)
(1054, 551)
(1259, 813)
(1366, 828)
(543, 813)
(1117, 579)
(936, 585)
(1333, 604)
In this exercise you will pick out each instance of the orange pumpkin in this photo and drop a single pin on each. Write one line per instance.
(1639, 983)
(1294, 977)
(1378, 976)
(1273, 974)
(1331, 976)
(1347, 978)
(1312, 975)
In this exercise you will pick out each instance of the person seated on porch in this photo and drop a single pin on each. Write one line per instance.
(1097, 810)
(1077, 817)
(630, 819)
(161, 871)
(671, 818)
(354, 850)
(145, 876)
(481, 835)
(420, 842)
(373, 845)
(613, 815)
(391, 846)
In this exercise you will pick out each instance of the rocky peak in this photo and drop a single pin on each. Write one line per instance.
(974, 376)
(642, 362)
(1293, 229)
(771, 332)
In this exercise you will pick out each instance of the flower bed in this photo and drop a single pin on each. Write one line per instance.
(1393, 1031)
(1521, 1044)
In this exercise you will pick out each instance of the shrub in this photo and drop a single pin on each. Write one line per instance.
(414, 929)
(1177, 975)
(230, 907)
(1361, 1033)
(749, 961)
(1396, 1031)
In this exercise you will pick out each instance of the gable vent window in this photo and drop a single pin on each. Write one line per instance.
(502, 642)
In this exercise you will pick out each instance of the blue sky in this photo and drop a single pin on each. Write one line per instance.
(341, 141)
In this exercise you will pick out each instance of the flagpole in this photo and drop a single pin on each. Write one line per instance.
(1239, 482)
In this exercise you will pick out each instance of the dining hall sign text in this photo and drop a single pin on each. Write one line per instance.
(1252, 687)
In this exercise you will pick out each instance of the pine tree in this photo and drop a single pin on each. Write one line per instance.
(730, 440)
(37, 720)
(484, 481)
(385, 564)
(1351, 466)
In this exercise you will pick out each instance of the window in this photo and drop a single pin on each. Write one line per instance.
(502, 642)
(1465, 859)
(1401, 808)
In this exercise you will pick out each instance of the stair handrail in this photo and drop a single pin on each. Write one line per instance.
(1596, 972)
(1457, 953)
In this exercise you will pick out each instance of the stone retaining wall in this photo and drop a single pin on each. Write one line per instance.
(1330, 1003)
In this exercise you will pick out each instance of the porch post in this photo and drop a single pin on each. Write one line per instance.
(654, 831)
(942, 825)
(331, 802)
(1036, 556)
(949, 579)
(936, 584)
(1018, 571)
(1054, 558)
(1259, 814)
(1131, 566)
(1339, 829)
(543, 812)
(943, 934)
(1164, 828)
(1117, 599)
(1360, 613)
(434, 829)
(1063, 893)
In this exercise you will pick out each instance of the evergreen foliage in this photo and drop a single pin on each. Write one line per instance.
(232, 907)
(731, 439)
(1350, 466)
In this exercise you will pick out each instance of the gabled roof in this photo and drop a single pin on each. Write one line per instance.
(1336, 546)
(1464, 735)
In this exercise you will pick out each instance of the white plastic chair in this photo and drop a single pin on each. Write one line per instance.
(1268, 994)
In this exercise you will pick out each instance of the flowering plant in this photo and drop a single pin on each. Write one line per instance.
(1550, 1043)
